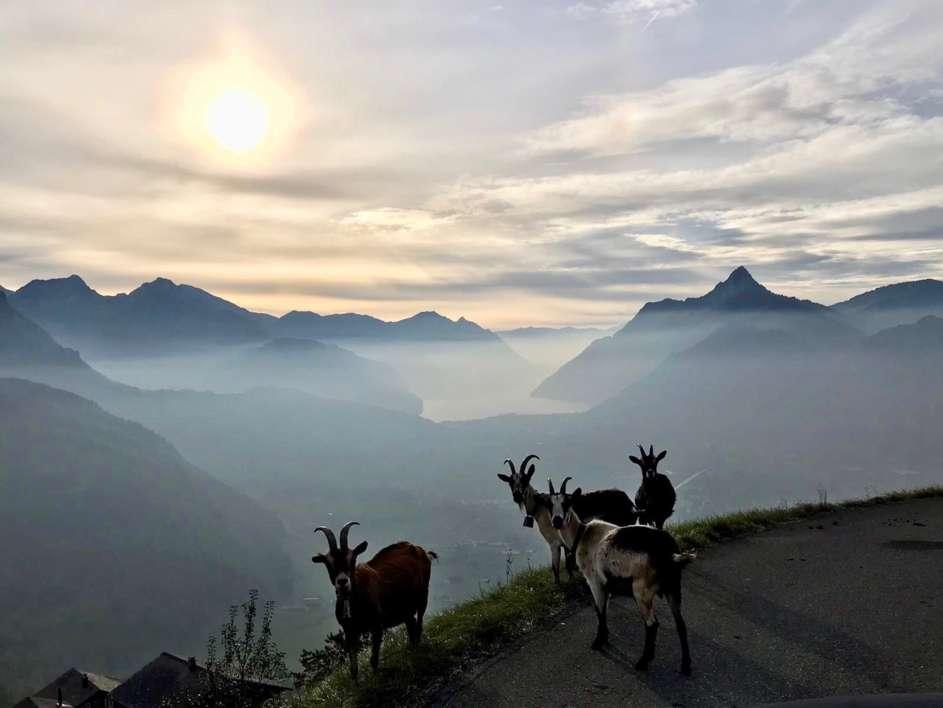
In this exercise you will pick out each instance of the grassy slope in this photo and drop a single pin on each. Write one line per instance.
(480, 628)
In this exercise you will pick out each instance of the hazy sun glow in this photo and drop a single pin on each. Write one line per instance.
(235, 107)
(237, 119)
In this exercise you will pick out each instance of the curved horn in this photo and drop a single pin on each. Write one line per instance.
(550, 484)
(642, 450)
(526, 460)
(345, 532)
(511, 465)
(563, 486)
(331, 538)
(651, 450)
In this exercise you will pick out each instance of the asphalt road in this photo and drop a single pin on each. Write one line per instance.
(848, 603)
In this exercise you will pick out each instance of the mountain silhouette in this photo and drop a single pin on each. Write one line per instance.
(326, 370)
(155, 318)
(923, 338)
(900, 303)
(668, 326)
(24, 343)
(738, 293)
(423, 326)
(161, 317)
(115, 542)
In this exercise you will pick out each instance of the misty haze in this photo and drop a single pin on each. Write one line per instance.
(271, 269)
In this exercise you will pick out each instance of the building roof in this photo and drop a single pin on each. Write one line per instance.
(168, 676)
(76, 686)
(34, 702)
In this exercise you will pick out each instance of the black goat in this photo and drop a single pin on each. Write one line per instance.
(655, 498)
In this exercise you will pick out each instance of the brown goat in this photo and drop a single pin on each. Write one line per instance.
(390, 589)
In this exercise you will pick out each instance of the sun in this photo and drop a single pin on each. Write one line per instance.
(238, 119)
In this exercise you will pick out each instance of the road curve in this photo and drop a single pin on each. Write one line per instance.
(847, 603)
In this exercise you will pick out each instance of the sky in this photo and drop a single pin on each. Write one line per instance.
(518, 163)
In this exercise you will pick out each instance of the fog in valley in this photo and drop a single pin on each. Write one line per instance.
(760, 399)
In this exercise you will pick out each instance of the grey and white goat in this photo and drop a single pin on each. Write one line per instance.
(612, 505)
(640, 561)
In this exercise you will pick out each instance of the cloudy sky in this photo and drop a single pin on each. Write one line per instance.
(515, 162)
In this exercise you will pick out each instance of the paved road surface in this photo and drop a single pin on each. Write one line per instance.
(853, 605)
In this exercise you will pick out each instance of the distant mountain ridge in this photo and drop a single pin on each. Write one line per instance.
(150, 319)
(667, 326)
(900, 303)
(423, 326)
(740, 292)
(161, 315)
(25, 343)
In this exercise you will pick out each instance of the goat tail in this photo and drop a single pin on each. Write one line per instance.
(433, 556)
(682, 559)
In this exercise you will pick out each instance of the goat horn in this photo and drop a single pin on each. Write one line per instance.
(511, 465)
(345, 532)
(651, 450)
(331, 538)
(563, 486)
(526, 460)
(642, 450)
(550, 484)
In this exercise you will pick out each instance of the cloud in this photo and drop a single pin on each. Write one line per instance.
(631, 10)
(427, 175)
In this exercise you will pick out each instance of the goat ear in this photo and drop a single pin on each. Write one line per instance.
(633, 458)
(319, 559)
(661, 455)
(577, 492)
(504, 478)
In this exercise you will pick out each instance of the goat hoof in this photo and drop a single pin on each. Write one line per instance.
(598, 644)
(641, 665)
(686, 670)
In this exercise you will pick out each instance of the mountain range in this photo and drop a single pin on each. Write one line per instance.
(774, 396)
(669, 326)
(162, 317)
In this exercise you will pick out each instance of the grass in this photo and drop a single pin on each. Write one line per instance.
(700, 533)
(457, 638)
(452, 640)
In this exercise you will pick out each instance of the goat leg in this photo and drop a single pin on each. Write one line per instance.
(648, 653)
(555, 562)
(570, 563)
(377, 637)
(601, 603)
(675, 602)
(352, 651)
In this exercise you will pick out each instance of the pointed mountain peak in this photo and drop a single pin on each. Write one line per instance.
(56, 287)
(428, 317)
(741, 275)
(738, 285)
(157, 284)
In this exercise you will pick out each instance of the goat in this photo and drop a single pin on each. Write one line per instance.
(655, 498)
(612, 505)
(624, 560)
(390, 589)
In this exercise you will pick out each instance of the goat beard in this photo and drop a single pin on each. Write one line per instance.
(344, 605)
